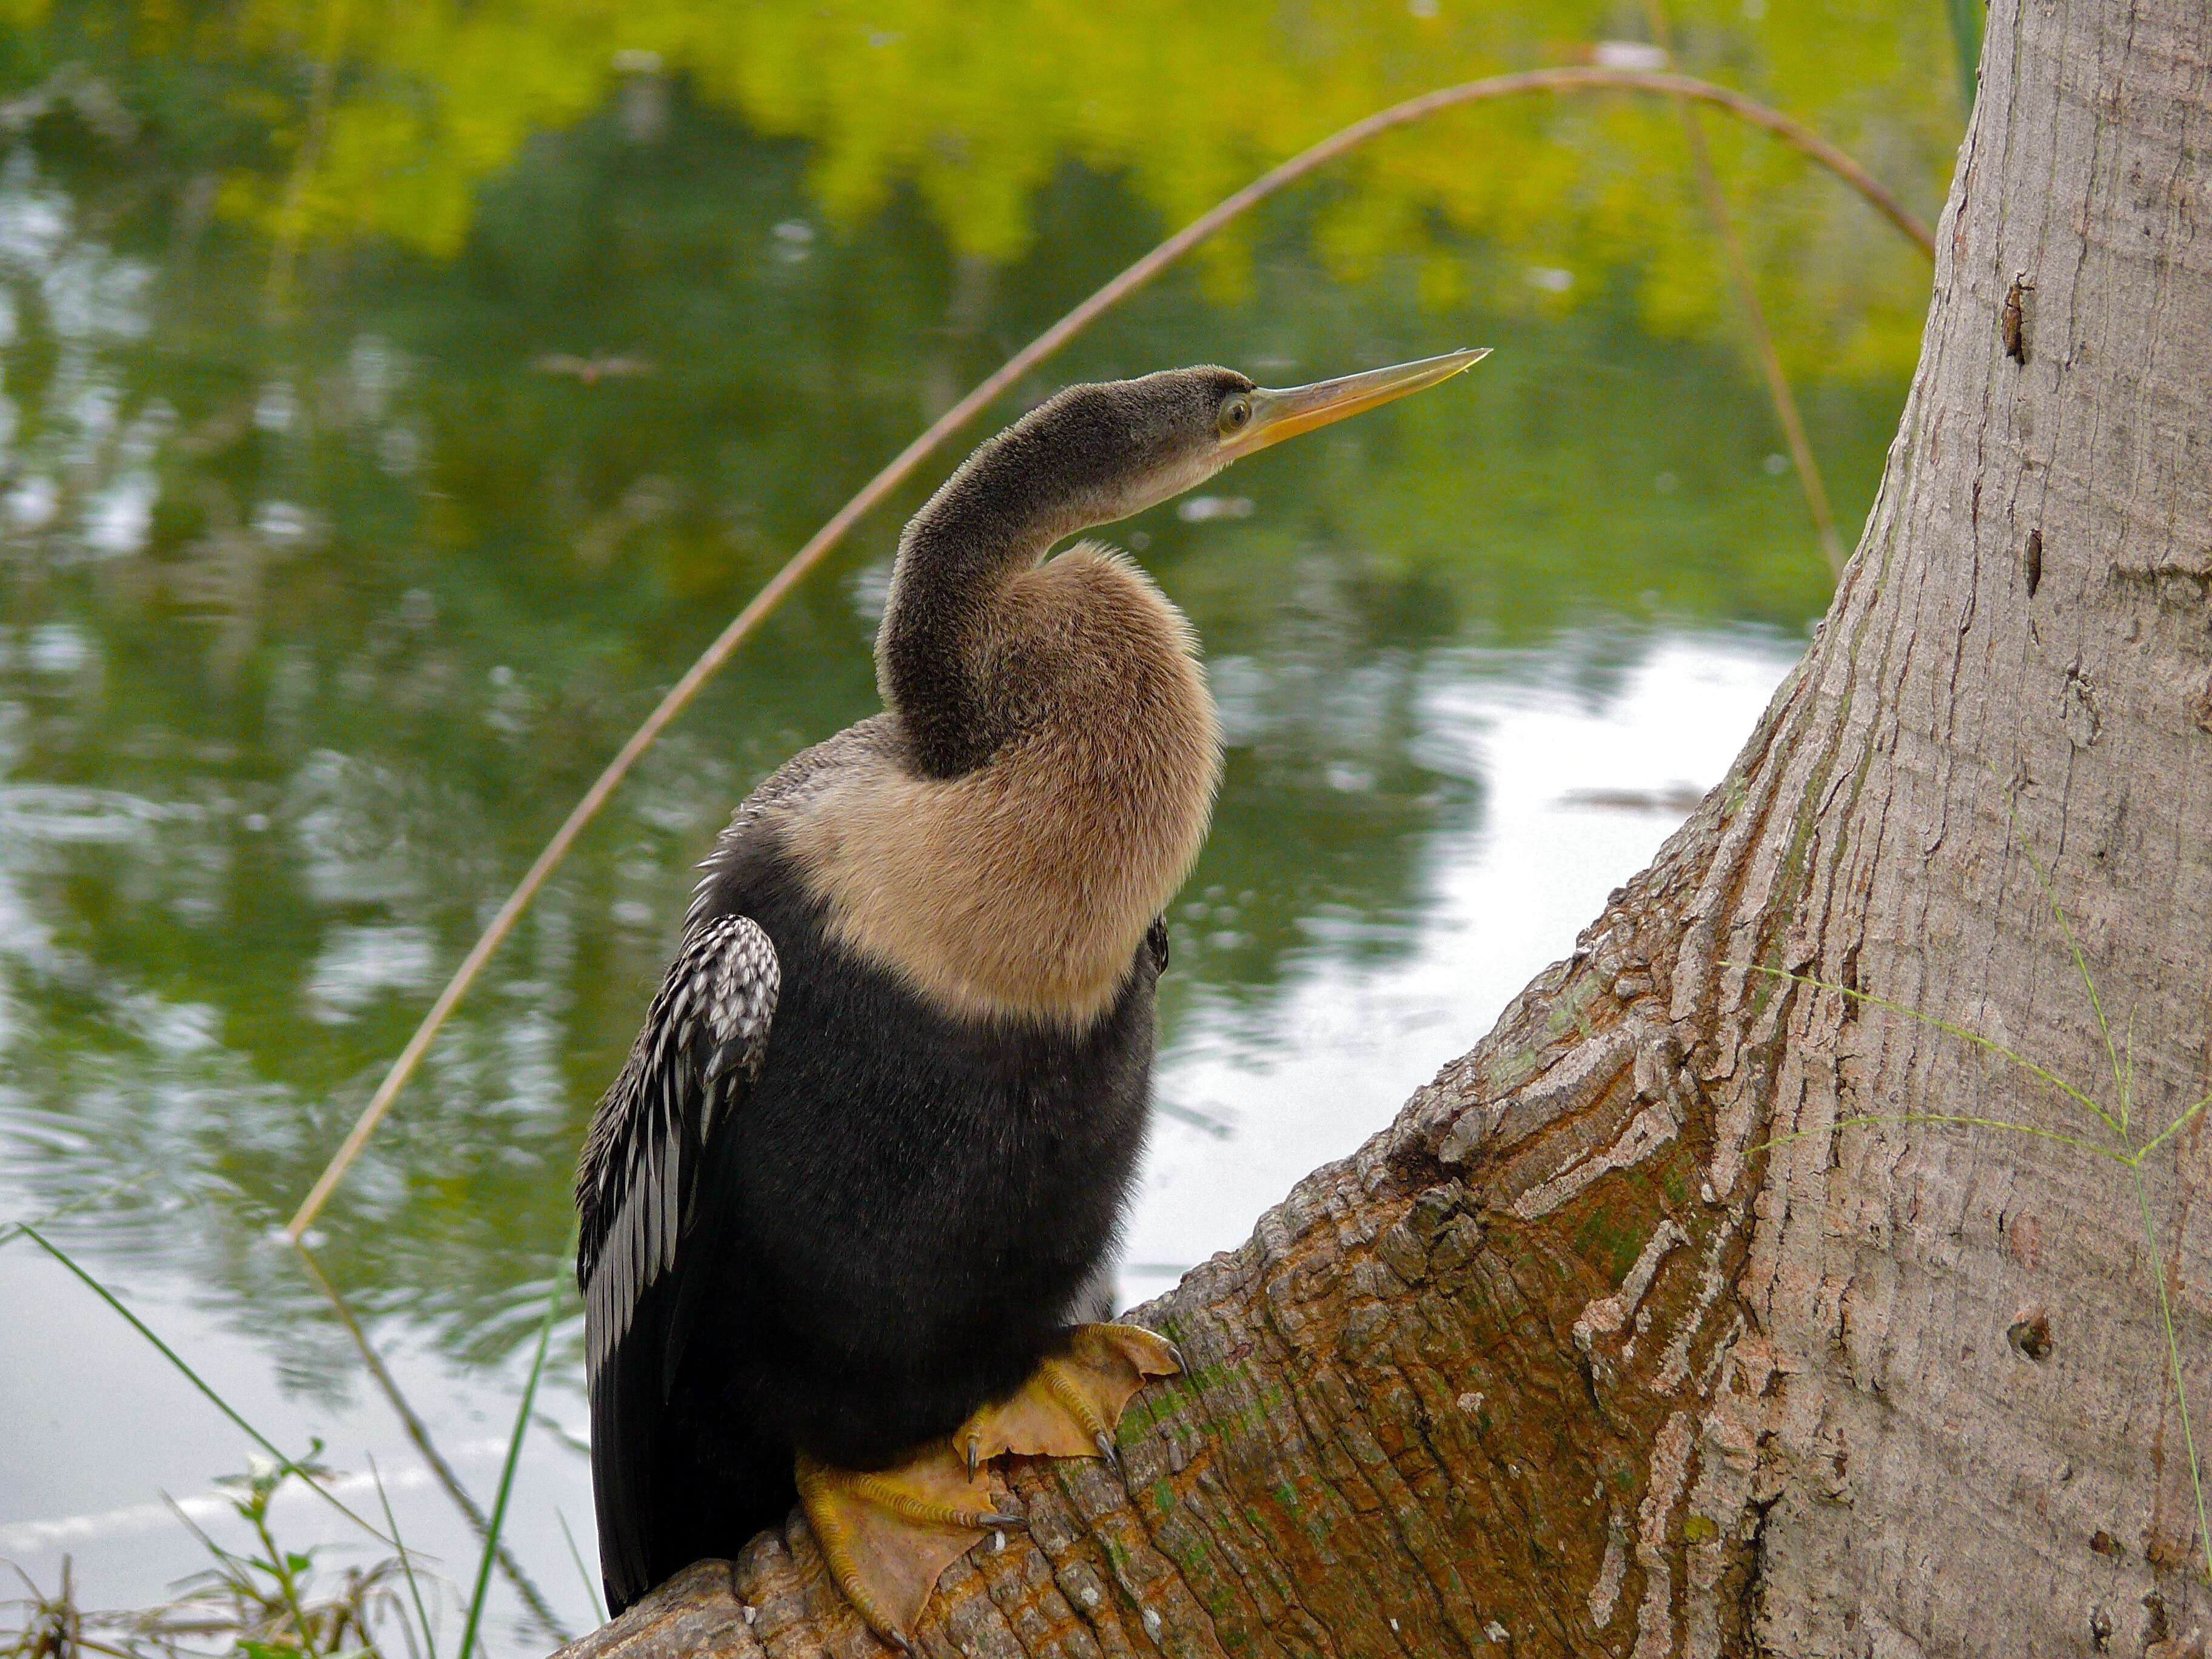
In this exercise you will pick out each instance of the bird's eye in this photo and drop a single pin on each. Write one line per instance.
(1236, 414)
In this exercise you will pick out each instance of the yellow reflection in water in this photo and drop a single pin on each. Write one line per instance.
(382, 119)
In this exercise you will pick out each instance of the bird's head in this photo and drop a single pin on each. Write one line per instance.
(961, 670)
(1119, 447)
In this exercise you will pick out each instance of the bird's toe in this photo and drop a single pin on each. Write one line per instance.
(1072, 1405)
(887, 1536)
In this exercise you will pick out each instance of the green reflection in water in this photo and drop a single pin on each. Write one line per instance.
(322, 122)
(318, 616)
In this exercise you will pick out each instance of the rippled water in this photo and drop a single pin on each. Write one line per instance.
(1564, 787)
(315, 617)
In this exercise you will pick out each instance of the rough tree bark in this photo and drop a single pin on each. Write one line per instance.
(1619, 1341)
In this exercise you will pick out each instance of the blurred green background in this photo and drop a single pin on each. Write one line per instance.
(396, 394)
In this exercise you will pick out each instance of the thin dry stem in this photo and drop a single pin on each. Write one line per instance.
(1810, 480)
(541, 1610)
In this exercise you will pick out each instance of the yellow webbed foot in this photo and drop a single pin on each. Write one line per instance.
(887, 1536)
(1071, 1407)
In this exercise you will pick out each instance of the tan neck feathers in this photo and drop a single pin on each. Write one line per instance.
(1022, 887)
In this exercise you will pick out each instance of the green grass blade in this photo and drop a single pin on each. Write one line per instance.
(16, 1229)
(2128, 1083)
(223, 1558)
(2173, 1365)
(1946, 1117)
(590, 1582)
(477, 1598)
(2080, 962)
(2171, 1129)
(195, 1378)
(1959, 1031)
(406, 1561)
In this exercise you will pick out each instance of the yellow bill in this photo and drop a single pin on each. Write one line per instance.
(1276, 415)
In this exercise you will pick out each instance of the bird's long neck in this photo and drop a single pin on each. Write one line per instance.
(993, 519)
(1055, 757)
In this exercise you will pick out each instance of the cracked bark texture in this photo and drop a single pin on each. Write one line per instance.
(1620, 1340)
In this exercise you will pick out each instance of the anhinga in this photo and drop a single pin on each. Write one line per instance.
(841, 1209)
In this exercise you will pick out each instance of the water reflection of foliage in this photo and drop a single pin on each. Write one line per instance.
(322, 122)
(398, 591)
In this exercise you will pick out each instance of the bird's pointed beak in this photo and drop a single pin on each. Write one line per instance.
(1276, 415)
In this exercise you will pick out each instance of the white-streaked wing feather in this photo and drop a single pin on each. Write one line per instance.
(701, 1046)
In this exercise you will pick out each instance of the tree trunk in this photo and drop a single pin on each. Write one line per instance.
(1623, 1339)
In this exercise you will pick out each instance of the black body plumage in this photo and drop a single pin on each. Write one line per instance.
(869, 1155)
(891, 1227)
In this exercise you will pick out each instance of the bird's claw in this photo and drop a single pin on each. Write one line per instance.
(886, 1535)
(1071, 1404)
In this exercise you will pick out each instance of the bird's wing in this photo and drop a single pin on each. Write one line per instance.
(701, 1048)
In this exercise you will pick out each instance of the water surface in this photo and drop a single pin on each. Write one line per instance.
(333, 566)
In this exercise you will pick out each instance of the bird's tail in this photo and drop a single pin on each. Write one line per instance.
(670, 1490)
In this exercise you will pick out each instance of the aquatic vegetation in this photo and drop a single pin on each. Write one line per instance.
(269, 1601)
